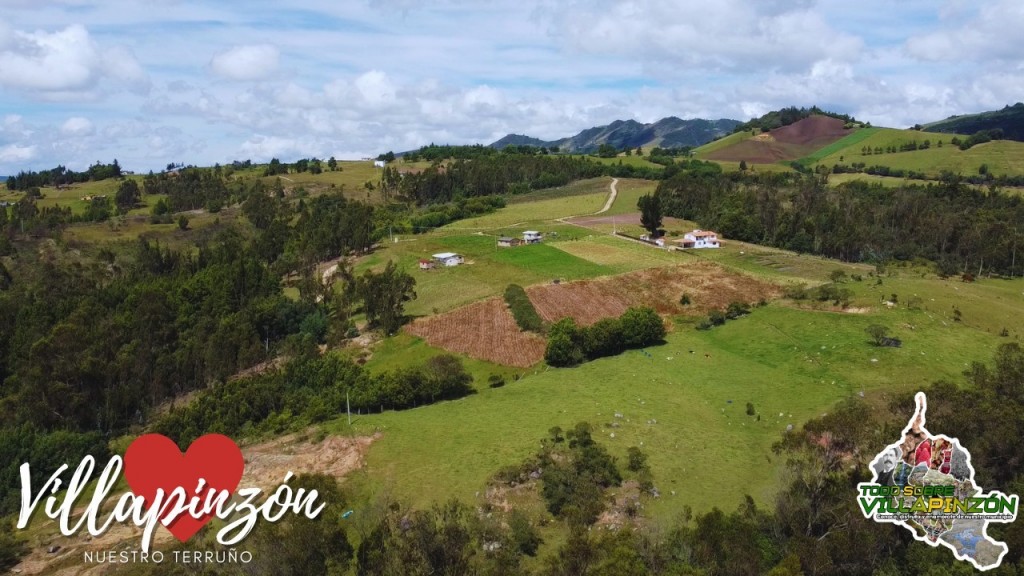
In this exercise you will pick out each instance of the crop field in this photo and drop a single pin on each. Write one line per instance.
(786, 143)
(709, 286)
(617, 254)
(577, 188)
(484, 330)
(520, 214)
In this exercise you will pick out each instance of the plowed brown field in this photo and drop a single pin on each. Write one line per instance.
(484, 330)
(709, 286)
(487, 330)
(787, 143)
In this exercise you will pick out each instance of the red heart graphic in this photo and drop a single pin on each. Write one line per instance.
(153, 461)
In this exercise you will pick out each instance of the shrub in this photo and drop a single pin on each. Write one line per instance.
(636, 459)
(737, 309)
(750, 409)
(641, 327)
(496, 381)
(878, 333)
(795, 292)
(562, 351)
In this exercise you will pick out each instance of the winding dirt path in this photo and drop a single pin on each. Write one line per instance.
(611, 197)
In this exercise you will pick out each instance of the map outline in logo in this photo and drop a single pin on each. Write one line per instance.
(891, 467)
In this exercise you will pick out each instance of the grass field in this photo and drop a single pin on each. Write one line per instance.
(1002, 157)
(735, 166)
(851, 141)
(721, 143)
(351, 179)
(638, 161)
(687, 410)
(629, 191)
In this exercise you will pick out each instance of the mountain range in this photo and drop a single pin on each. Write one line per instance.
(668, 132)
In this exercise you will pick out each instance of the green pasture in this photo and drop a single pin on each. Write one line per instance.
(1003, 157)
(686, 410)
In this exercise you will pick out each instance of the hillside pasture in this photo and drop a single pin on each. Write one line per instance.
(350, 179)
(1003, 157)
(683, 405)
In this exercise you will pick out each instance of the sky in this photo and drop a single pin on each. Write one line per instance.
(150, 82)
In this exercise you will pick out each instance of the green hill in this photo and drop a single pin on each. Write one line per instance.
(889, 147)
(1010, 120)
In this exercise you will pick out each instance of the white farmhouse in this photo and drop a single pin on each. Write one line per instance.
(532, 237)
(699, 239)
(448, 258)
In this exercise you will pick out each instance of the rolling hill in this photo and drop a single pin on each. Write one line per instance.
(1010, 120)
(668, 132)
(828, 141)
(786, 143)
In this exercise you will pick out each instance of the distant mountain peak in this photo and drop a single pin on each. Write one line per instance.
(669, 132)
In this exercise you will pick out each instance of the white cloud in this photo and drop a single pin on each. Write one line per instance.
(13, 153)
(250, 62)
(77, 126)
(262, 148)
(734, 35)
(376, 88)
(64, 61)
(994, 33)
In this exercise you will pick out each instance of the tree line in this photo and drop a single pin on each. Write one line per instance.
(954, 225)
(61, 176)
(309, 389)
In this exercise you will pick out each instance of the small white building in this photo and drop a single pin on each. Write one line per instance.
(448, 258)
(699, 239)
(378, 163)
(532, 237)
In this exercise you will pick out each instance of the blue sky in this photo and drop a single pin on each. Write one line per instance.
(157, 81)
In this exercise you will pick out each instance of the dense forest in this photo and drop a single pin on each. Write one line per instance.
(91, 343)
(960, 228)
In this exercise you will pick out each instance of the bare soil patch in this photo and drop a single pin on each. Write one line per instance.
(484, 330)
